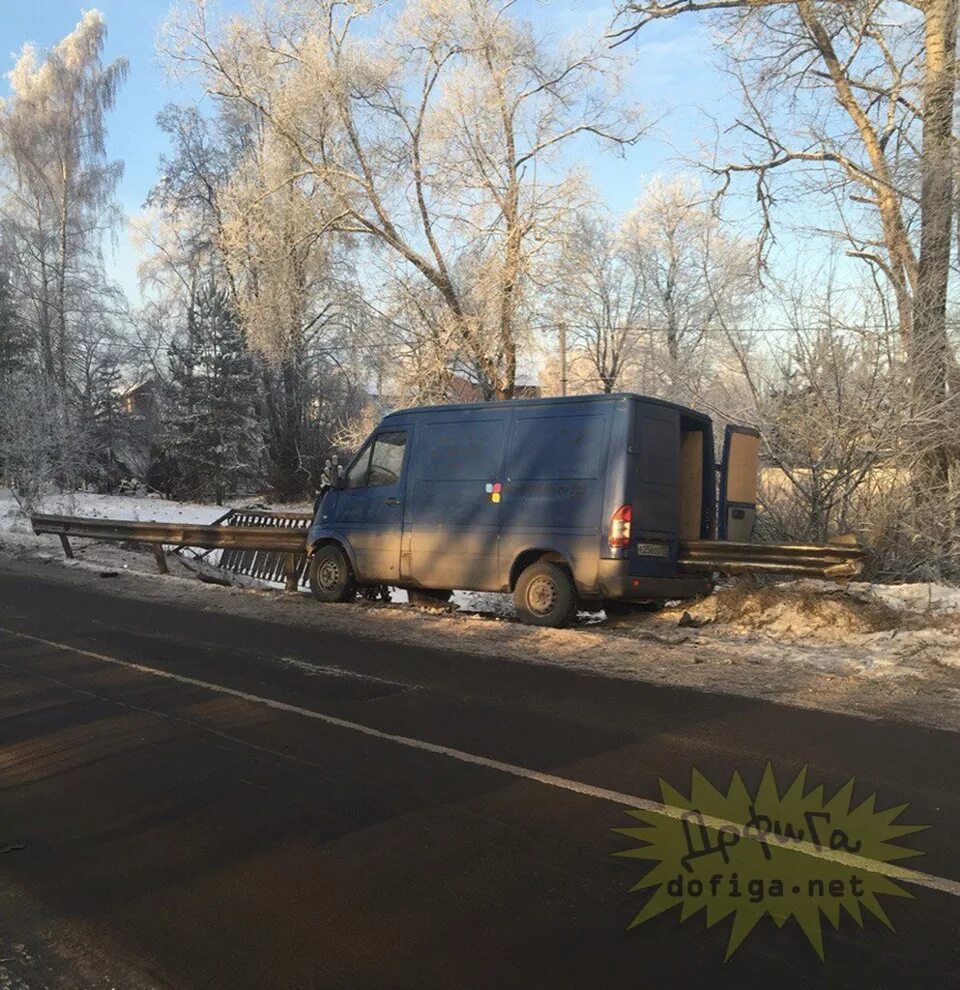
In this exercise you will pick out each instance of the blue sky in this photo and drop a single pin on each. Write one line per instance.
(673, 71)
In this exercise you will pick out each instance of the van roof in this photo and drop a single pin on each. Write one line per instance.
(551, 401)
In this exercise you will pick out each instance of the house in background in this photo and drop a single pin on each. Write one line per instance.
(463, 390)
(140, 405)
(142, 399)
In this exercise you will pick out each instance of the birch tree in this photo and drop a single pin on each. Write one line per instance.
(434, 134)
(59, 184)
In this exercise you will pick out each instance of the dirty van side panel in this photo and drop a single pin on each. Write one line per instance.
(653, 484)
(554, 485)
(369, 508)
(452, 520)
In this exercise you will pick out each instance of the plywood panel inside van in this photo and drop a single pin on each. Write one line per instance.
(742, 466)
(691, 484)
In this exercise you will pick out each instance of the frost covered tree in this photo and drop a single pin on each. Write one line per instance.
(433, 134)
(58, 185)
(694, 278)
(850, 105)
(294, 290)
(642, 299)
(211, 435)
(598, 304)
(227, 203)
(56, 209)
(97, 388)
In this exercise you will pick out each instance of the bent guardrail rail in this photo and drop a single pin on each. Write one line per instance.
(266, 565)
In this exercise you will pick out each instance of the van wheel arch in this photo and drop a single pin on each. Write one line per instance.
(326, 541)
(528, 557)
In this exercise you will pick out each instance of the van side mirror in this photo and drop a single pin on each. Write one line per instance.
(332, 475)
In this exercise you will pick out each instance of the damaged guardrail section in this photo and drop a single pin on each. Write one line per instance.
(286, 541)
(271, 546)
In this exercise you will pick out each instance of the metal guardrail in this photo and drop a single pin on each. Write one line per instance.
(286, 542)
(172, 534)
(270, 546)
(827, 560)
(263, 564)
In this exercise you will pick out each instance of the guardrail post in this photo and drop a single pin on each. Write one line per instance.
(67, 549)
(290, 571)
(160, 558)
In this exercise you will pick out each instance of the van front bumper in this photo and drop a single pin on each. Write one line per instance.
(616, 582)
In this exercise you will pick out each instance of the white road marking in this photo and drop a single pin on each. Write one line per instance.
(630, 801)
(329, 670)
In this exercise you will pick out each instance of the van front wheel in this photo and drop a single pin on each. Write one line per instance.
(545, 595)
(331, 579)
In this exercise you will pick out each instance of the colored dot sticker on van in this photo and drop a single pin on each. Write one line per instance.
(489, 488)
(495, 497)
(497, 487)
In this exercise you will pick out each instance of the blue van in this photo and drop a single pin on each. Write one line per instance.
(564, 502)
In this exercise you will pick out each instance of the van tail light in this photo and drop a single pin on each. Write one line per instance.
(620, 528)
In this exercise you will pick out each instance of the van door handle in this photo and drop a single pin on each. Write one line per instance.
(391, 501)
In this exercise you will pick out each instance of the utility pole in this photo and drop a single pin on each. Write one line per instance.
(563, 358)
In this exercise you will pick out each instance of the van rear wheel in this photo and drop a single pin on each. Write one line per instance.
(331, 579)
(545, 595)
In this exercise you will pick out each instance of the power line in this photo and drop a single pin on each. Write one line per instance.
(646, 330)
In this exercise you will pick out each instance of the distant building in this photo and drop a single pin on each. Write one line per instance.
(463, 390)
(142, 399)
(140, 405)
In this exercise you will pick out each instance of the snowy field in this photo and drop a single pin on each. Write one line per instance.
(881, 650)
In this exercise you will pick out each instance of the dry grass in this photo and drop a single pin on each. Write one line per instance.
(800, 609)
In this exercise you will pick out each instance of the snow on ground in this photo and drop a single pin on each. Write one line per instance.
(933, 599)
(879, 650)
(15, 528)
(139, 508)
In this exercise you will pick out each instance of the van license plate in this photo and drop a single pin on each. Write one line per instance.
(653, 550)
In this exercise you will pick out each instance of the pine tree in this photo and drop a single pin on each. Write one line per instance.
(99, 419)
(211, 433)
(14, 345)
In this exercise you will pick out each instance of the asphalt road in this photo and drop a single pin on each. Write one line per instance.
(157, 831)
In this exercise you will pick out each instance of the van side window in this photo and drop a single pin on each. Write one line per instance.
(387, 459)
(357, 473)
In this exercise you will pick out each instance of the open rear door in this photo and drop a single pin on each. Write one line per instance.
(738, 483)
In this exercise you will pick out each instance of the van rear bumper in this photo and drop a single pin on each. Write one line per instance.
(615, 581)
